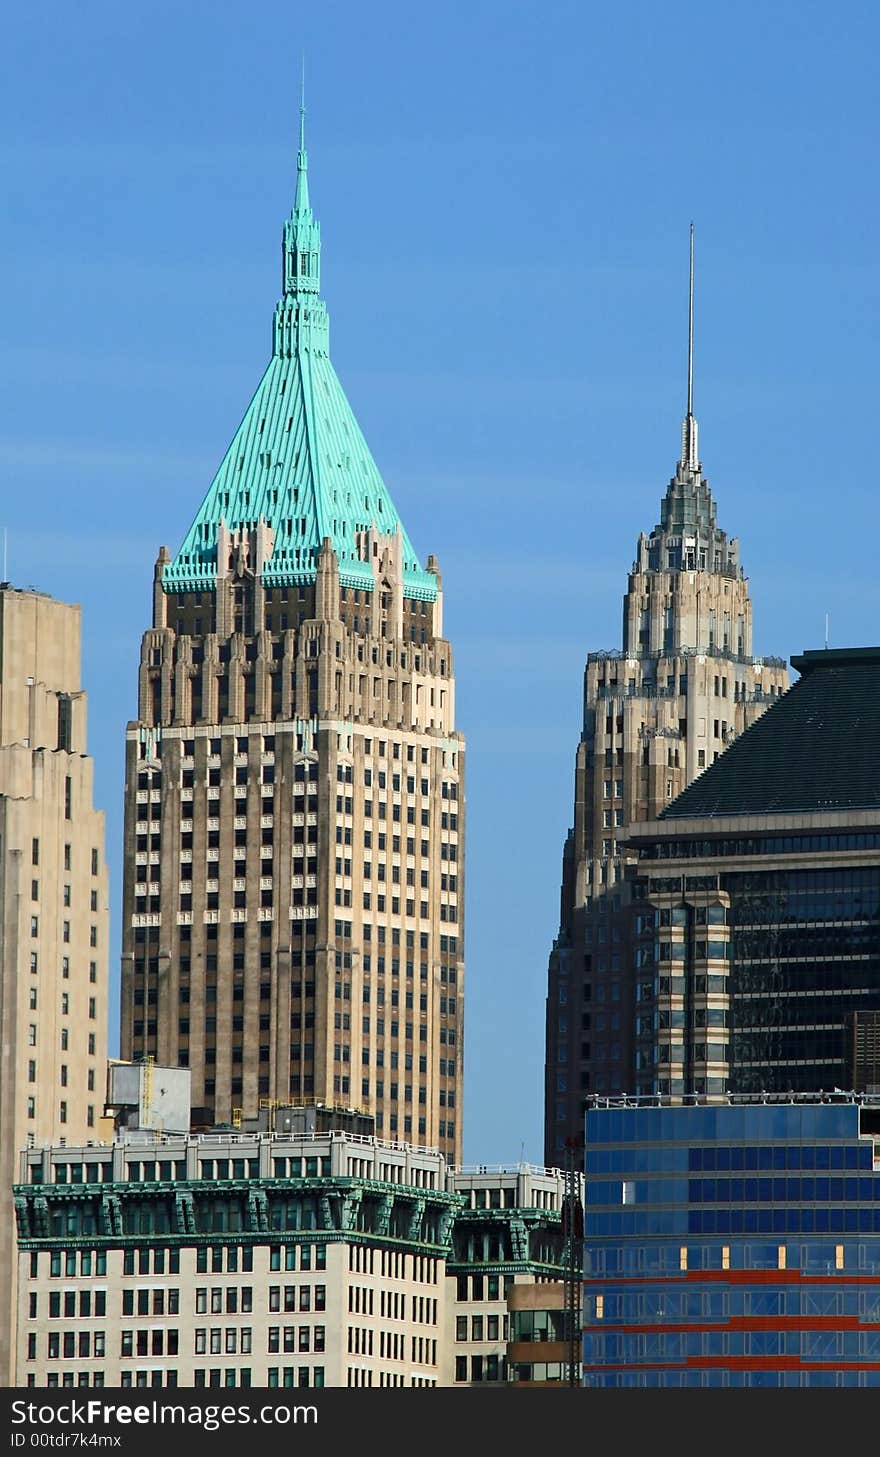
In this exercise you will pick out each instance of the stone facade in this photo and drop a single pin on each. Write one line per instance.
(293, 870)
(262, 1260)
(506, 1239)
(53, 903)
(294, 825)
(656, 713)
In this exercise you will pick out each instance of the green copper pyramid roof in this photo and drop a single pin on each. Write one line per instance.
(298, 460)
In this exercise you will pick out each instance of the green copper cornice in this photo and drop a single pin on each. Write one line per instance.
(298, 461)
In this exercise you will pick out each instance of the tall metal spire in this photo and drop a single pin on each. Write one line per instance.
(302, 178)
(690, 459)
(691, 329)
(302, 231)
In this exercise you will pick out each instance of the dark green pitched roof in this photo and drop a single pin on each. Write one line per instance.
(817, 748)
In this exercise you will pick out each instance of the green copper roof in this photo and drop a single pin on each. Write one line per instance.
(298, 460)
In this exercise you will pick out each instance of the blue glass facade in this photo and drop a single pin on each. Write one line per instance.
(736, 1244)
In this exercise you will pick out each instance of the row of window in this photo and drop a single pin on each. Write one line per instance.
(287, 1376)
(66, 899)
(637, 1259)
(281, 1338)
(621, 1348)
(490, 1328)
(31, 1106)
(62, 1070)
(647, 1305)
(302, 768)
(65, 934)
(64, 1304)
(76, 1345)
(65, 974)
(741, 1221)
(482, 1287)
(297, 1297)
(343, 898)
(481, 1368)
(67, 860)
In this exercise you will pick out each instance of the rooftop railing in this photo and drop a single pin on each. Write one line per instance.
(716, 1100)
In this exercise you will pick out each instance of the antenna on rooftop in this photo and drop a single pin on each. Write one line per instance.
(690, 459)
(826, 632)
(690, 408)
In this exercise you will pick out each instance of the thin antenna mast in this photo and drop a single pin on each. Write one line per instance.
(302, 106)
(691, 329)
(690, 455)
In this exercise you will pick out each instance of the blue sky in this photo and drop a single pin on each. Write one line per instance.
(504, 196)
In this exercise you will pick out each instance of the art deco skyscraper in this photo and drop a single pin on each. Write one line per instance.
(53, 905)
(294, 862)
(656, 713)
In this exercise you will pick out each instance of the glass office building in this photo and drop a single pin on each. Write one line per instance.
(733, 1243)
(756, 902)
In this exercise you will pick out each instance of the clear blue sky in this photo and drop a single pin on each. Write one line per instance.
(505, 193)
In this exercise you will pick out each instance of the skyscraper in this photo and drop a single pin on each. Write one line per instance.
(759, 888)
(294, 825)
(656, 713)
(53, 906)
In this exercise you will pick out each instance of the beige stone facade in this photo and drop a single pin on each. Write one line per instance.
(657, 712)
(507, 1240)
(266, 1260)
(294, 847)
(538, 1350)
(53, 904)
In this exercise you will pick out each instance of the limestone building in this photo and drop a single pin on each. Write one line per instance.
(294, 802)
(657, 712)
(266, 1260)
(53, 905)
